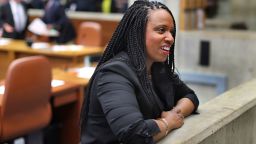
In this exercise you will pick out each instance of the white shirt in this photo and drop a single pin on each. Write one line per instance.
(19, 15)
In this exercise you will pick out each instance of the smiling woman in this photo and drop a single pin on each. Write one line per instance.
(158, 36)
(134, 95)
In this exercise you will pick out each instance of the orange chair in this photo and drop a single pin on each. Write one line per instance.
(25, 104)
(89, 34)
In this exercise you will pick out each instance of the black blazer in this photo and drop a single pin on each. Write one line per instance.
(113, 111)
(6, 16)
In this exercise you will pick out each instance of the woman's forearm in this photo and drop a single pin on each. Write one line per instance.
(185, 107)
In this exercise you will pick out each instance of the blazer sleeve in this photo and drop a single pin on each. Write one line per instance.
(183, 91)
(117, 97)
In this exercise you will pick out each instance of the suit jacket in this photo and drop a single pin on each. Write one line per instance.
(89, 5)
(37, 4)
(56, 16)
(6, 16)
(115, 109)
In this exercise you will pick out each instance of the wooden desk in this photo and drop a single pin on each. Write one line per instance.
(66, 102)
(69, 115)
(61, 74)
(61, 59)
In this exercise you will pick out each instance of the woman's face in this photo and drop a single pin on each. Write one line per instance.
(158, 36)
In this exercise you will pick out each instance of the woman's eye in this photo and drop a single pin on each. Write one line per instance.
(161, 30)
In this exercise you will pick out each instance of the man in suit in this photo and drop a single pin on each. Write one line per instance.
(55, 17)
(14, 19)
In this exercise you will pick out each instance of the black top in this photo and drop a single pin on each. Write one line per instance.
(114, 112)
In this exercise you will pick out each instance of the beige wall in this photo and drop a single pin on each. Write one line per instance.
(232, 53)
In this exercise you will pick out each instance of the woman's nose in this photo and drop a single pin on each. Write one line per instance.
(169, 38)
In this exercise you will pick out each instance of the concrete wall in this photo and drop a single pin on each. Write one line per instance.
(232, 53)
(227, 119)
(236, 11)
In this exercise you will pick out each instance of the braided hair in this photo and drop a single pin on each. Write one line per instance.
(129, 37)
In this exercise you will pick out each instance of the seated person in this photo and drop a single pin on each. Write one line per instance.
(14, 19)
(55, 17)
(134, 95)
(89, 5)
(37, 4)
(71, 5)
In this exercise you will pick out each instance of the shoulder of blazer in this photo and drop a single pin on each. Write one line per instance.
(121, 68)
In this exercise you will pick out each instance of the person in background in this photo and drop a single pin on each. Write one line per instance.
(109, 6)
(134, 95)
(2, 2)
(89, 5)
(37, 4)
(121, 5)
(71, 5)
(55, 17)
(14, 19)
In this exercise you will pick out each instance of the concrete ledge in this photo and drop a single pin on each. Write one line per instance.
(222, 116)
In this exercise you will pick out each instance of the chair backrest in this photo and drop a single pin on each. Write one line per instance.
(89, 34)
(25, 104)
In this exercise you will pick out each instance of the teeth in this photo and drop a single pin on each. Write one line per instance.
(166, 48)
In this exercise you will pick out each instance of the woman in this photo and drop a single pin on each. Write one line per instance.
(134, 96)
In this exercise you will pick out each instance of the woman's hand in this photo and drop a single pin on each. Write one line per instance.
(169, 120)
(174, 118)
